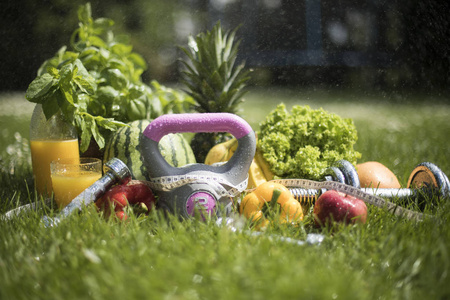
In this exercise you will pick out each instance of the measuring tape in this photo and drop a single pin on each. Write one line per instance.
(168, 183)
(352, 191)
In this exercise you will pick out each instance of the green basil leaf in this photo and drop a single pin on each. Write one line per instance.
(96, 41)
(121, 49)
(104, 54)
(83, 79)
(83, 101)
(109, 123)
(115, 63)
(39, 87)
(83, 72)
(66, 74)
(136, 91)
(84, 85)
(61, 100)
(67, 92)
(101, 25)
(138, 61)
(107, 95)
(117, 80)
(50, 106)
(85, 14)
(137, 109)
(53, 72)
(96, 134)
(85, 122)
(88, 54)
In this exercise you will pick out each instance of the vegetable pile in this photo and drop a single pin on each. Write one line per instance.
(305, 142)
(97, 83)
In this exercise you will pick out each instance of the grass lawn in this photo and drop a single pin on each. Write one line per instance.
(88, 257)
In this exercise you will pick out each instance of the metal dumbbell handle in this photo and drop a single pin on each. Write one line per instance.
(391, 193)
(309, 196)
(425, 178)
(116, 172)
(307, 192)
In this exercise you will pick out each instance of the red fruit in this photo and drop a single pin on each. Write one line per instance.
(115, 197)
(119, 200)
(141, 193)
(121, 215)
(119, 196)
(334, 206)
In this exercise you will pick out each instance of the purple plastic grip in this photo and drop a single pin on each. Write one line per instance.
(197, 122)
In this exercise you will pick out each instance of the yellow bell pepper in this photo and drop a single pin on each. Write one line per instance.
(271, 201)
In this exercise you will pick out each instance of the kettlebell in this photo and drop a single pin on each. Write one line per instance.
(201, 188)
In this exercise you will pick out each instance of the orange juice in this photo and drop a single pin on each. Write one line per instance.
(43, 152)
(68, 185)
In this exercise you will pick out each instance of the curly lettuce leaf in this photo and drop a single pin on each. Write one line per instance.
(303, 143)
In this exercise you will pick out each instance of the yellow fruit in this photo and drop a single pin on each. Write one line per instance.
(375, 175)
(232, 148)
(262, 163)
(255, 175)
(221, 152)
(259, 171)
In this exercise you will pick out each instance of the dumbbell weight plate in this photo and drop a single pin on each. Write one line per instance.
(349, 171)
(448, 185)
(428, 175)
(334, 174)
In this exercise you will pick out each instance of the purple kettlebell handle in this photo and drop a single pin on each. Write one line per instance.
(197, 122)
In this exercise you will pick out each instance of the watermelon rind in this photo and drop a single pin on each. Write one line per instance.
(124, 144)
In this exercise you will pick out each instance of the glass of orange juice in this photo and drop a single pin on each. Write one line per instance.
(43, 152)
(70, 177)
(50, 139)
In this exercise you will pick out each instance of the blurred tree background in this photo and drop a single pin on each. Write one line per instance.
(366, 44)
(33, 31)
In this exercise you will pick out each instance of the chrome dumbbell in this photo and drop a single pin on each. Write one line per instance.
(425, 179)
(115, 172)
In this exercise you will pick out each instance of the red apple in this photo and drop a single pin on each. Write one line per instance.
(334, 206)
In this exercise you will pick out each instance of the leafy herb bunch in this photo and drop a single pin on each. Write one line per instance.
(97, 84)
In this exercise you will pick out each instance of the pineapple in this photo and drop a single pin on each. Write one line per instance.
(213, 80)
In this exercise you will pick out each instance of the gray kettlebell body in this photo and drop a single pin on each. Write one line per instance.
(206, 187)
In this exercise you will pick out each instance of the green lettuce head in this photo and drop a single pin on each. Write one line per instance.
(303, 143)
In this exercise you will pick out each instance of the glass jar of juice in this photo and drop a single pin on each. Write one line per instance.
(50, 140)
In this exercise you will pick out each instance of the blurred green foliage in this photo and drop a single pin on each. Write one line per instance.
(33, 31)
(413, 34)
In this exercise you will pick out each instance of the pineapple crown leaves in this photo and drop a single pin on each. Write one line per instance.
(214, 80)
